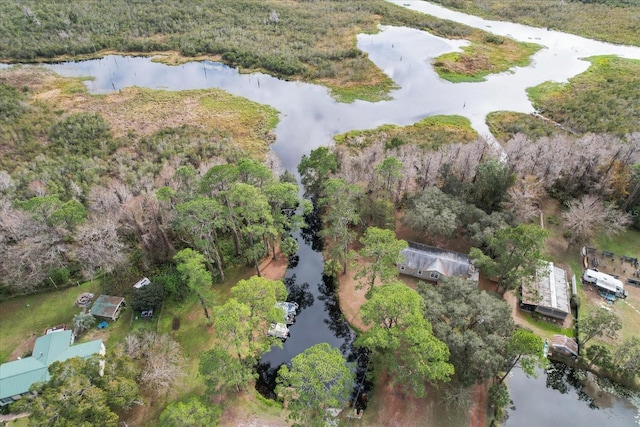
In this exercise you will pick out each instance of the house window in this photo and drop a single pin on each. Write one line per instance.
(419, 272)
(434, 275)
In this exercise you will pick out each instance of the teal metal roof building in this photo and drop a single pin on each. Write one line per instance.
(16, 377)
(107, 307)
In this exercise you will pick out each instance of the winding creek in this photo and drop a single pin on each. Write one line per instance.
(309, 118)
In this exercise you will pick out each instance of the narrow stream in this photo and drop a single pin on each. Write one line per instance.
(319, 319)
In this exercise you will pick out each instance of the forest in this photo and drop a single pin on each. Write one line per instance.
(100, 190)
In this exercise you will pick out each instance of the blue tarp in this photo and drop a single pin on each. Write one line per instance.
(102, 325)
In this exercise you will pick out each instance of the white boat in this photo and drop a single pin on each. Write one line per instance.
(278, 330)
(290, 310)
(545, 349)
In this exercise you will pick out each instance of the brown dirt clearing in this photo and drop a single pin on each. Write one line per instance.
(392, 406)
(244, 410)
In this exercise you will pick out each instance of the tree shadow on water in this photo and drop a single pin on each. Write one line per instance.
(564, 379)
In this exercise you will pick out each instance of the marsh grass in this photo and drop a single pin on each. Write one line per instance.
(486, 55)
(505, 124)
(429, 133)
(608, 20)
(309, 40)
(603, 99)
(215, 121)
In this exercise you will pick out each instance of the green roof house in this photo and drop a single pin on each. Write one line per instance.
(107, 307)
(16, 377)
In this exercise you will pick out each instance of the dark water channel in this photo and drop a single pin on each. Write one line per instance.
(561, 396)
(319, 319)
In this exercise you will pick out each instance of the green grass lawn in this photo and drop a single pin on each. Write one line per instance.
(627, 243)
(25, 317)
(549, 329)
(20, 422)
(28, 316)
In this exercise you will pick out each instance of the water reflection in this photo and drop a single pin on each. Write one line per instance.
(298, 292)
(561, 397)
(334, 320)
(562, 378)
(319, 319)
(310, 233)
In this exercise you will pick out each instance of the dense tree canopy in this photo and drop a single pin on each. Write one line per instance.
(381, 250)
(513, 254)
(476, 327)
(242, 324)
(191, 413)
(435, 213)
(222, 371)
(316, 168)
(340, 216)
(78, 395)
(402, 340)
(319, 378)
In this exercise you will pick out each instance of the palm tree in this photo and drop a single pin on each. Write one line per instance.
(82, 321)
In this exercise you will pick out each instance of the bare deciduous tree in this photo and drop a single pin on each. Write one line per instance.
(162, 360)
(589, 216)
(104, 201)
(28, 262)
(524, 198)
(98, 247)
(143, 217)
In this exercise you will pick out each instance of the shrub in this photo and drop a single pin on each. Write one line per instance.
(81, 133)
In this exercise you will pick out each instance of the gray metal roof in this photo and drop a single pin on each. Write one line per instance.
(428, 258)
(548, 289)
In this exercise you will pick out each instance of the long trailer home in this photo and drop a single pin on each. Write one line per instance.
(433, 264)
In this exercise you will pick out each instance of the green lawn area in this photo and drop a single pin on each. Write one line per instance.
(627, 243)
(26, 317)
(545, 328)
(20, 422)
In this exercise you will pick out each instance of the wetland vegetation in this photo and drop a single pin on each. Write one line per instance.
(293, 40)
(614, 21)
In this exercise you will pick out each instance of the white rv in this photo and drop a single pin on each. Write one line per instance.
(604, 282)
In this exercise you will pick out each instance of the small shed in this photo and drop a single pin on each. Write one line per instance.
(564, 345)
(107, 307)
